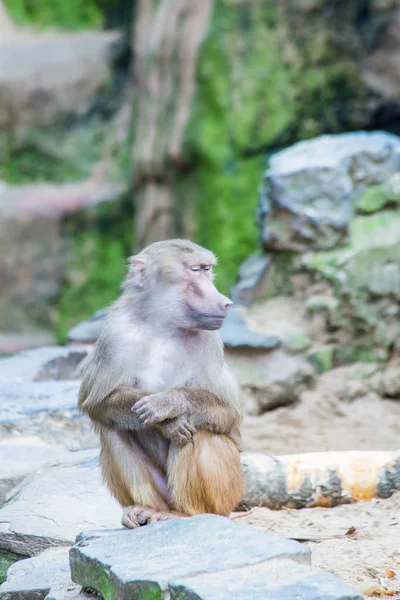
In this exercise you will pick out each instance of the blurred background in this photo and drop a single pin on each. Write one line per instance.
(127, 121)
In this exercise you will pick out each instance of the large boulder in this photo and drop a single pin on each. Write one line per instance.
(53, 506)
(19, 457)
(309, 190)
(45, 76)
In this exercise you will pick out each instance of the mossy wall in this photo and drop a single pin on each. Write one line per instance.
(259, 86)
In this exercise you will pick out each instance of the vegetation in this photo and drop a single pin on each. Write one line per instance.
(69, 14)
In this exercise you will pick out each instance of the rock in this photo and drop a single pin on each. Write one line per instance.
(11, 342)
(149, 559)
(44, 76)
(35, 578)
(41, 364)
(390, 382)
(19, 457)
(270, 380)
(310, 188)
(377, 197)
(322, 357)
(6, 560)
(88, 331)
(297, 342)
(278, 579)
(32, 257)
(380, 71)
(46, 409)
(51, 507)
(364, 276)
(161, 559)
(235, 334)
(19, 400)
(251, 279)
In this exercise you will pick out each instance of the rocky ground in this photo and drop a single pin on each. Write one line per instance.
(50, 453)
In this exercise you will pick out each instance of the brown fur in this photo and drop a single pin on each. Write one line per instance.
(176, 447)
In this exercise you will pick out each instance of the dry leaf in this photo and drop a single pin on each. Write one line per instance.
(390, 573)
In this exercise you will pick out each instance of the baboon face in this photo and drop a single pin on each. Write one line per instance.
(173, 280)
(206, 308)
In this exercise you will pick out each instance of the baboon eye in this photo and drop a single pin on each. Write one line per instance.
(207, 267)
(196, 268)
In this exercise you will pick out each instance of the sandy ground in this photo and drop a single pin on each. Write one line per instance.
(360, 543)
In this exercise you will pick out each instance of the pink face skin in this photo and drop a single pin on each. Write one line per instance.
(206, 308)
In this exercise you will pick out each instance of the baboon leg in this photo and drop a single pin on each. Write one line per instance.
(205, 476)
(129, 474)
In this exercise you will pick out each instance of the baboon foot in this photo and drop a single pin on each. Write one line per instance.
(136, 516)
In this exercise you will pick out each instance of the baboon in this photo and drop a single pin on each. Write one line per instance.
(160, 393)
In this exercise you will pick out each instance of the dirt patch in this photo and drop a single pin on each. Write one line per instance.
(359, 543)
(368, 557)
(342, 413)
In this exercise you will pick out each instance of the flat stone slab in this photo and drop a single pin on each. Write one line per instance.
(53, 506)
(40, 364)
(21, 399)
(19, 457)
(200, 558)
(278, 579)
(235, 334)
(35, 578)
(145, 560)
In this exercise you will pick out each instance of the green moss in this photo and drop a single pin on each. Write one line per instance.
(366, 232)
(225, 215)
(365, 280)
(242, 104)
(322, 358)
(96, 263)
(350, 354)
(69, 14)
(6, 560)
(56, 155)
(377, 197)
(296, 341)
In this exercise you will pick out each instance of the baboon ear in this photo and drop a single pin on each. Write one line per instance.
(137, 271)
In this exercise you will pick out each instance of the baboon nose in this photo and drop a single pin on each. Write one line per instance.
(226, 302)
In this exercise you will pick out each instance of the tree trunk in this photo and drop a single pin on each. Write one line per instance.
(319, 479)
(167, 37)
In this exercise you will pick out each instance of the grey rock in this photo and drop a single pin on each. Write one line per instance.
(36, 578)
(310, 188)
(51, 507)
(32, 247)
(278, 579)
(144, 561)
(269, 380)
(40, 364)
(19, 457)
(47, 409)
(235, 334)
(11, 342)
(72, 67)
(21, 399)
(251, 279)
(87, 332)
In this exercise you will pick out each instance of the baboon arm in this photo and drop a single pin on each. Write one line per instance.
(114, 410)
(202, 408)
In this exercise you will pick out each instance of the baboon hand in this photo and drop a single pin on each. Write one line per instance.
(157, 408)
(177, 430)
